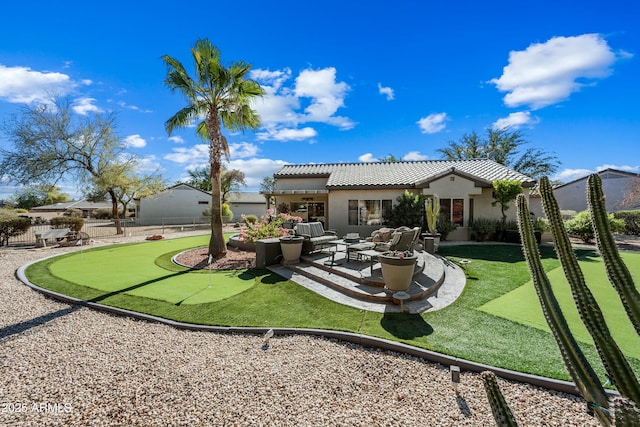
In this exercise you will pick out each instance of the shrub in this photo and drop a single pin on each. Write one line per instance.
(283, 208)
(269, 226)
(102, 213)
(249, 220)
(631, 220)
(12, 225)
(73, 212)
(225, 212)
(482, 228)
(409, 211)
(580, 226)
(71, 222)
(444, 226)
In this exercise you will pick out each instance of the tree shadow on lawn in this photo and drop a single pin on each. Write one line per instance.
(493, 252)
(405, 326)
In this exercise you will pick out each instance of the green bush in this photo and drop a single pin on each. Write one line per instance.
(409, 211)
(444, 226)
(580, 226)
(71, 222)
(631, 220)
(73, 212)
(103, 213)
(268, 227)
(12, 225)
(249, 219)
(482, 228)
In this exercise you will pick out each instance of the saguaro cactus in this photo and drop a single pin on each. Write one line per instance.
(499, 407)
(625, 409)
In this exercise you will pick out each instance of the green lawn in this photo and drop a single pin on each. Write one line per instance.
(130, 270)
(140, 277)
(517, 304)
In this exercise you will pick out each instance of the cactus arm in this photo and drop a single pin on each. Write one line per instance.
(626, 413)
(613, 359)
(499, 407)
(617, 271)
(576, 363)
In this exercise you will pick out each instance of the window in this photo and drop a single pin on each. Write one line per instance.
(203, 202)
(453, 209)
(369, 212)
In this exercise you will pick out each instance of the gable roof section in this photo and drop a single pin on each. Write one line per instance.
(415, 174)
(604, 174)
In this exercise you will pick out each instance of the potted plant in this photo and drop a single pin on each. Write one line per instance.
(291, 249)
(432, 238)
(397, 269)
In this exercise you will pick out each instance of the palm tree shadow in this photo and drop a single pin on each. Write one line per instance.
(405, 326)
(18, 328)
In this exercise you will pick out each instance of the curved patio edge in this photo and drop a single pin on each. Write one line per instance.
(361, 339)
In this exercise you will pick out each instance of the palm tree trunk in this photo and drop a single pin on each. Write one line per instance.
(217, 247)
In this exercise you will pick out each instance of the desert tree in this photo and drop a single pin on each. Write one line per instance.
(267, 185)
(215, 96)
(505, 147)
(51, 143)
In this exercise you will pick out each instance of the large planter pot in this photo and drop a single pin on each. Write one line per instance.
(431, 242)
(397, 272)
(291, 249)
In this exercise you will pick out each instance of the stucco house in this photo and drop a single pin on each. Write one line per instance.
(87, 208)
(183, 204)
(354, 197)
(615, 183)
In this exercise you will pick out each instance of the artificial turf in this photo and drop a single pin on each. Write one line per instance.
(460, 330)
(130, 270)
(521, 305)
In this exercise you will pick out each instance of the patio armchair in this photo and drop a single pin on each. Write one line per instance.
(315, 236)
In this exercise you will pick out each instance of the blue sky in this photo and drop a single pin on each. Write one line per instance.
(346, 81)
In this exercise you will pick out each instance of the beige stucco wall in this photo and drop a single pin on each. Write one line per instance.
(339, 209)
(180, 205)
(301, 184)
(573, 196)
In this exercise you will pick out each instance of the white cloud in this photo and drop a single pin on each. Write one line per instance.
(255, 170)
(547, 73)
(149, 164)
(568, 175)
(368, 158)
(414, 155)
(326, 95)
(515, 121)
(386, 91)
(135, 141)
(287, 134)
(85, 105)
(242, 150)
(313, 97)
(196, 156)
(23, 85)
(433, 123)
(176, 139)
(123, 104)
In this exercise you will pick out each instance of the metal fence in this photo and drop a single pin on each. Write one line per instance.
(106, 229)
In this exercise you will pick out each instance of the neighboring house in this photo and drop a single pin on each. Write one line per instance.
(615, 183)
(6, 204)
(184, 204)
(356, 197)
(87, 208)
(246, 203)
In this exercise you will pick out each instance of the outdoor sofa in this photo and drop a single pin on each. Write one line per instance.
(315, 236)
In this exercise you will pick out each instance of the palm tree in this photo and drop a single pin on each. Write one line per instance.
(217, 96)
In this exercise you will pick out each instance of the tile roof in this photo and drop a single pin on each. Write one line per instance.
(401, 174)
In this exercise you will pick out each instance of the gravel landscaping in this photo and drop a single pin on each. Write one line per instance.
(65, 365)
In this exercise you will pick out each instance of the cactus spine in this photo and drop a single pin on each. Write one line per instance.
(579, 369)
(617, 271)
(499, 407)
(614, 362)
(432, 209)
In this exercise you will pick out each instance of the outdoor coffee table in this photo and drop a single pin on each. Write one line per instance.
(333, 244)
(370, 255)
